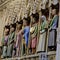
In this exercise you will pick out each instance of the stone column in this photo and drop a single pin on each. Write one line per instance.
(58, 39)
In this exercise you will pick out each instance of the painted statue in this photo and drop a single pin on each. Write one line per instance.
(19, 38)
(5, 41)
(11, 40)
(26, 32)
(53, 31)
(34, 32)
(42, 39)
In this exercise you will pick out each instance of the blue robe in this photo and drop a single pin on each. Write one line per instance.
(26, 34)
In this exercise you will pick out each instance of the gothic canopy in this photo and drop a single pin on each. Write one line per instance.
(2, 1)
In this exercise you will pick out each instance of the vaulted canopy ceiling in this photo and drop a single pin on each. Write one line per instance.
(2, 1)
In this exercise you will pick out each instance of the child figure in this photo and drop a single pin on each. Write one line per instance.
(11, 40)
(34, 31)
(19, 38)
(5, 40)
(26, 31)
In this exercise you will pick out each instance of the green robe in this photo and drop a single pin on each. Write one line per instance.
(43, 26)
(10, 44)
(4, 45)
(53, 22)
(35, 32)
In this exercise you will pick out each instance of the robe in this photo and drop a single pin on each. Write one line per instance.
(53, 32)
(4, 43)
(26, 34)
(10, 44)
(34, 36)
(18, 43)
(42, 39)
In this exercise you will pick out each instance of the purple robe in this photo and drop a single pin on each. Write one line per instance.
(18, 43)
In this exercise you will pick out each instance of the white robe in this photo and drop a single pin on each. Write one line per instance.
(41, 44)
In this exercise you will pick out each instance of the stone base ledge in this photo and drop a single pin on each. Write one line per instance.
(51, 53)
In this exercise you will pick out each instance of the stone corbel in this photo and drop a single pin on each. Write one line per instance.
(37, 4)
(43, 4)
(54, 2)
